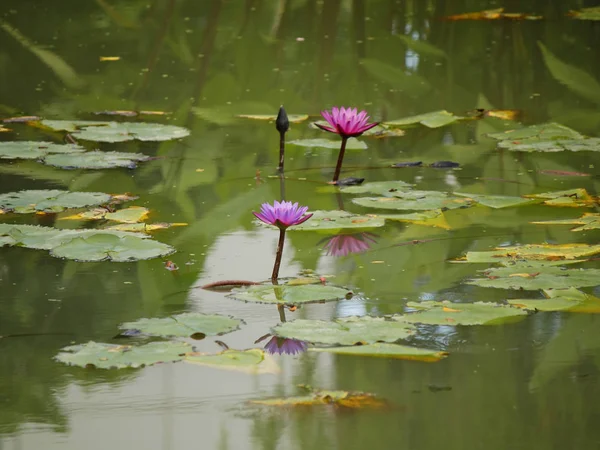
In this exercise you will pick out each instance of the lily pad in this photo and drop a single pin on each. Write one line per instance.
(343, 399)
(541, 132)
(548, 137)
(352, 144)
(110, 356)
(434, 218)
(35, 150)
(346, 331)
(144, 227)
(435, 119)
(118, 131)
(338, 220)
(386, 188)
(185, 325)
(24, 202)
(519, 277)
(414, 200)
(293, 118)
(96, 160)
(592, 13)
(131, 215)
(105, 246)
(574, 198)
(497, 201)
(534, 252)
(290, 295)
(448, 313)
(383, 350)
(589, 221)
(254, 361)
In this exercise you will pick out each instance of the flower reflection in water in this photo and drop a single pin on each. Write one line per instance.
(279, 346)
(344, 244)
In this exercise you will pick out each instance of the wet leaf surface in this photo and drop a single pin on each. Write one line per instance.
(131, 215)
(185, 325)
(338, 220)
(352, 144)
(433, 218)
(383, 350)
(450, 313)
(523, 277)
(589, 221)
(386, 188)
(496, 201)
(24, 202)
(435, 119)
(96, 160)
(252, 361)
(35, 150)
(414, 200)
(548, 137)
(533, 252)
(290, 294)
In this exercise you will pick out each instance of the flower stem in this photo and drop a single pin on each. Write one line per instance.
(281, 151)
(281, 310)
(338, 167)
(275, 274)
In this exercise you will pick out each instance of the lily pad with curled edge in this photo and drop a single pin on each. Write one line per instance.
(290, 295)
(109, 356)
(346, 331)
(24, 202)
(352, 144)
(531, 279)
(253, 361)
(434, 119)
(344, 399)
(497, 201)
(570, 299)
(133, 214)
(448, 313)
(338, 220)
(414, 200)
(433, 218)
(118, 131)
(185, 325)
(385, 188)
(293, 118)
(535, 252)
(105, 246)
(34, 149)
(384, 350)
(574, 198)
(96, 160)
(589, 221)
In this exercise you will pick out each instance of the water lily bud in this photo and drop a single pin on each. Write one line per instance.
(282, 122)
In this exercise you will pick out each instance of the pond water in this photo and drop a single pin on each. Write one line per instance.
(529, 384)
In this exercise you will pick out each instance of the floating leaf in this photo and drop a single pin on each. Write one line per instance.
(564, 173)
(185, 325)
(435, 119)
(548, 137)
(589, 221)
(352, 144)
(414, 200)
(96, 160)
(433, 218)
(493, 14)
(24, 202)
(386, 188)
(144, 227)
(293, 118)
(448, 313)
(592, 13)
(519, 277)
(343, 399)
(534, 252)
(34, 150)
(541, 132)
(338, 220)
(496, 201)
(571, 299)
(290, 295)
(110, 356)
(131, 215)
(346, 331)
(254, 361)
(104, 246)
(574, 198)
(383, 350)
(118, 131)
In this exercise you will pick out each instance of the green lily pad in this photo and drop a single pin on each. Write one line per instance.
(570, 299)
(346, 331)
(541, 132)
(104, 246)
(338, 220)
(344, 399)
(185, 325)
(96, 160)
(592, 13)
(385, 188)
(290, 295)
(110, 356)
(574, 198)
(254, 361)
(533, 252)
(448, 313)
(414, 200)
(433, 218)
(548, 137)
(35, 150)
(24, 202)
(435, 119)
(383, 350)
(118, 131)
(589, 221)
(293, 118)
(520, 277)
(352, 144)
(497, 201)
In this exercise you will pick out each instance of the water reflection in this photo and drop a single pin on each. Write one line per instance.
(344, 244)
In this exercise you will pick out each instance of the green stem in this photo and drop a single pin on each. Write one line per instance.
(338, 167)
(281, 151)
(280, 244)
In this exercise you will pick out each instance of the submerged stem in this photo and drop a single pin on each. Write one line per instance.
(275, 274)
(281, 150)
(338, 167)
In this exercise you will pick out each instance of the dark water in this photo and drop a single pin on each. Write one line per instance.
(528, 385)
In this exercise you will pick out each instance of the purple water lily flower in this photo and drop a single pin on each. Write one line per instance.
(344, 244)
(279, 346)
(347, 122)
(283, 214)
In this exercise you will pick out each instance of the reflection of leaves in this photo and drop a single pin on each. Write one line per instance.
(448, 313)
(184, 325)
(383, 350)
(423, 48)
(410, 84)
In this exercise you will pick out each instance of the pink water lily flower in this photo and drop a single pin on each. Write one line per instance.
(280, 346)
(283, 214)
(347, 122)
